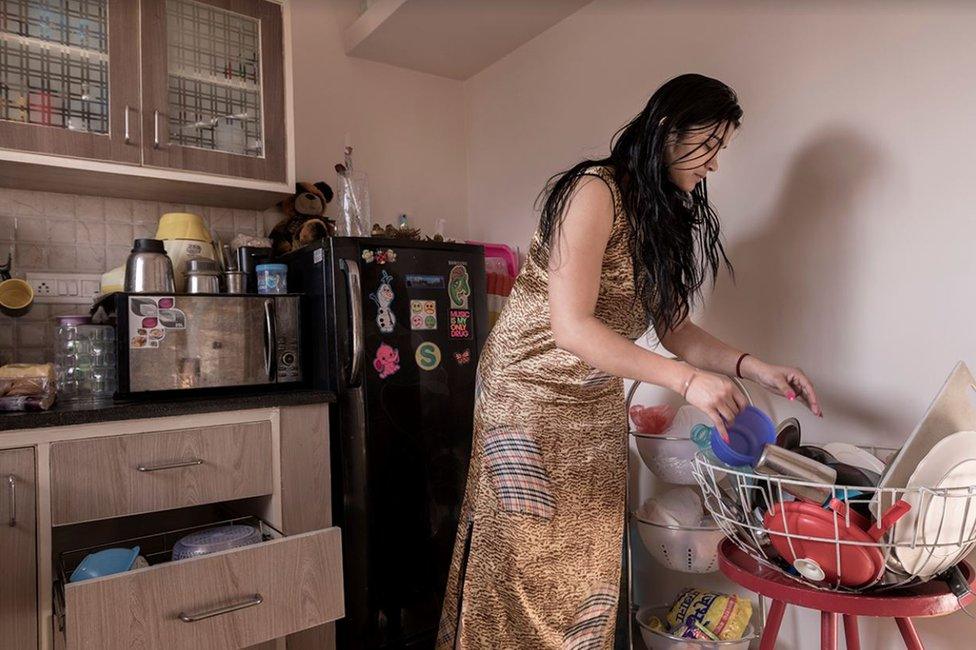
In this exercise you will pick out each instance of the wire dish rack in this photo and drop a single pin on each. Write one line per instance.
(861, 539)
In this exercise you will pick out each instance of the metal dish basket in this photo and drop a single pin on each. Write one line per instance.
(937, 531)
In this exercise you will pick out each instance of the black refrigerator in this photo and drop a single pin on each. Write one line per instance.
(395, 328)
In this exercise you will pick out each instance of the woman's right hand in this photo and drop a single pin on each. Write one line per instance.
(717, 396)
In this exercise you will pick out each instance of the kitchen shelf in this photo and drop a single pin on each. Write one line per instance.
(450, 38)
(216, 80)
(42, 44)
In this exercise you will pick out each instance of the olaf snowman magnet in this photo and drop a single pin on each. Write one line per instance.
(383, 297)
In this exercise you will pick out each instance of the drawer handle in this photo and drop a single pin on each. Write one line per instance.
(156, 129)
(254, 600)
(12, 486)
(190, 462)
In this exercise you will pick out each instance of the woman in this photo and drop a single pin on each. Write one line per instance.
(623, 243)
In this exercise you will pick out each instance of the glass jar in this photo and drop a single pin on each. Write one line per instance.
(84, 359)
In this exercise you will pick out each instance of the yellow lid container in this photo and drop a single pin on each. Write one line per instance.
(182, 225)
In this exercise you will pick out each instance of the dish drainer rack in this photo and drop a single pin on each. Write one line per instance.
(928, 540)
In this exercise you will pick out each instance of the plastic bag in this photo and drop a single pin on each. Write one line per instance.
(27, 387)
(652, 419)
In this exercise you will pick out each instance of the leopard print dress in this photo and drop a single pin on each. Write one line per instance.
(537, 556)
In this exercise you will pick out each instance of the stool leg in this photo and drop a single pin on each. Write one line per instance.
(828, 631)
(850, 632)
(773, 621)
(907, 629)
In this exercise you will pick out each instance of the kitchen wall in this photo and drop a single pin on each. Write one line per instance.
(406, 127)
(845, 199)
(65, 233)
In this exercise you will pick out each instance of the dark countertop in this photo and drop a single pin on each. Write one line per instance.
(62, 415)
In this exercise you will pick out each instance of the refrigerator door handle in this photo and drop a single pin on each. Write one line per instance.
(354, 288)
(270, 340)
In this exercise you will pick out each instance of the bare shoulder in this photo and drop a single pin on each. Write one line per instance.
(592, 199)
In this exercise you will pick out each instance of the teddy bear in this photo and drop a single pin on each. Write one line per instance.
(304, 220)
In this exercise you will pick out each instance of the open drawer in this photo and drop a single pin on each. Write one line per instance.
(230, 599)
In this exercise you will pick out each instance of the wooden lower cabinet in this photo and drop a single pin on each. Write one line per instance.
(18, 549)
(225, 601)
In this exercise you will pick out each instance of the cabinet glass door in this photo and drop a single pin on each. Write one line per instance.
(214, 59)
(214, 86)
(56, 61)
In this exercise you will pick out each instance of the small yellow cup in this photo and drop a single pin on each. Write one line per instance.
(16, 297)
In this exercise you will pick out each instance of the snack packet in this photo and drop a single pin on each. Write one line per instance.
(725, 616)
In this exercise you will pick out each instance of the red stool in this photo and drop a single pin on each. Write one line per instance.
(929, 599)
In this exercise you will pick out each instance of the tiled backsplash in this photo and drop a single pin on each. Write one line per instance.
(67, 233)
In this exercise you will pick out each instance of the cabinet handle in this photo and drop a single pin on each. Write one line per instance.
(156, 129)
(254, 600)
(125, 128)
(189, 462)
(12, 486)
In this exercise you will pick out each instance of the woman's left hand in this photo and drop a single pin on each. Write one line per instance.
(791, 383)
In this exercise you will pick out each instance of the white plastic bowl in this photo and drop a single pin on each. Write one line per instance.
(655, 640)
(672, 459)
(681, 548)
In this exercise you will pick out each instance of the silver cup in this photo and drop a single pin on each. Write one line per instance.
(234, 281)
(778, 462)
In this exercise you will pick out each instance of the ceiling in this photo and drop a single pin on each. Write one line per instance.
(450, 38)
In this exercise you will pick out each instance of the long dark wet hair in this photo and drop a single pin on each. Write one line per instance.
(675, 242)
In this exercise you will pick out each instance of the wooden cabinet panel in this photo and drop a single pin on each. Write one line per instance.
(98, 478)
(306, 488)
(298, 581)
(306, 492)
(53, 120)
(18, 554)
(203, 89)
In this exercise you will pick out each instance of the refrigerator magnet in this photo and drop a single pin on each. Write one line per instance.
(460, 324)
(383, 297)
(459, 287)
(387, 360)
(423, 314)
(379, 256)
(428, 355)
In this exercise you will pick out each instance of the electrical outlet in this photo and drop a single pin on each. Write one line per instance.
(77, 288)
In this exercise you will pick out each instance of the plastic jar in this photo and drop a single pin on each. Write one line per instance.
(84, 359)
(272, 278)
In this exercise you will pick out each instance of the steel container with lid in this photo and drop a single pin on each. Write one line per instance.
(148, 269)
(202, 276)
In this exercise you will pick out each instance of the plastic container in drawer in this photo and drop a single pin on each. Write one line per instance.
(228, 599)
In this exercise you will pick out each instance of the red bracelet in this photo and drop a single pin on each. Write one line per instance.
(738, 365)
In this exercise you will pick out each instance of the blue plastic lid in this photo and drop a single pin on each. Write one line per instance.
(748, 434)
(279, 268)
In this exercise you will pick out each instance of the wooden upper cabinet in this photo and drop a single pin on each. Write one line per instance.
(213, 87)
(69, 84)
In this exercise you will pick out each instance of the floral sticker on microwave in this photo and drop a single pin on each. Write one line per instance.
(174, 319)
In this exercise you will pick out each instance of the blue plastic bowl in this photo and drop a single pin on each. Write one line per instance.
(105, 563)
(749, 433)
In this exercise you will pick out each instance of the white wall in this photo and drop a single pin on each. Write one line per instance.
(845, 200)
(406, 128)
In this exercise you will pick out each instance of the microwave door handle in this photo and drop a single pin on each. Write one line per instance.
(270, 340)
(354, 289)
